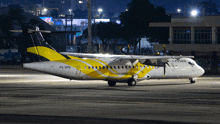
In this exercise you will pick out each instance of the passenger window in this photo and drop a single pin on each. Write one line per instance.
(89, 67)
(133, 66)
(126, 67)
(106, 67)
(118, 67)
(140, 66)
(122, 67)
(96, 67)
(92, 67)
(100, 67)
(129, 66)
(103, 67)
(111, 67)
(114, 67)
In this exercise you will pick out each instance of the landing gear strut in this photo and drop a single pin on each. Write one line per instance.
(111, 83)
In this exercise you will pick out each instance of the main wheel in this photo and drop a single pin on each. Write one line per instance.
(111, 83)
(132, 82)
(192, 81)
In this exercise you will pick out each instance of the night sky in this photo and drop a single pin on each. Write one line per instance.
(121, 5)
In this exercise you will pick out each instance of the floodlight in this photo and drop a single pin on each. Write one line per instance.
(100, 10)
(178, 10)
(194, 13)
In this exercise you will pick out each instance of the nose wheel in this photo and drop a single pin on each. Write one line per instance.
(192, 80)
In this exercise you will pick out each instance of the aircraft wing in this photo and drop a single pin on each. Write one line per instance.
(141, 58)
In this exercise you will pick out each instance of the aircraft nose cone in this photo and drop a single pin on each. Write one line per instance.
(201, 71)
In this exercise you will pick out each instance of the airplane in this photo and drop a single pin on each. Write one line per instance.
(128, 69)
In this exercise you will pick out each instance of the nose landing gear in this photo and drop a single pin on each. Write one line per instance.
(192, 80)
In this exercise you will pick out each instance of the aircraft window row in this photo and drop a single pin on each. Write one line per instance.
(178, 61)
(115, 67)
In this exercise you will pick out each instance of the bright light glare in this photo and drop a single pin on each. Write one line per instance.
(70, 10)
(178, 10)
(100, 10)
(194, 13)
(45, 9)
(80, 2)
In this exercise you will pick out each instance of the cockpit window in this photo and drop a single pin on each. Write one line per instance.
(191, 63)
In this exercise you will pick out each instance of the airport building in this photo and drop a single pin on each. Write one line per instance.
(197, 36)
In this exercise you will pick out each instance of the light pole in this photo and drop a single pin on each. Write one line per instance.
(89, 26)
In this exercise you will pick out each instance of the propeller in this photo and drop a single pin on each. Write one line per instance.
(165, 51)
(164, 64)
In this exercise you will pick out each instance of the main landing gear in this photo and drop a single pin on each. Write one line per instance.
(192, 80)
(111, 83)
(132, 82)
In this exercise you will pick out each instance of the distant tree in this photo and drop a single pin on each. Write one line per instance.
(7, 22)
(29, 6)
(5, 34)
(15, 13)
(15, 18)
(160, 34)
(115, 32)
(109, 33)
(136, 21)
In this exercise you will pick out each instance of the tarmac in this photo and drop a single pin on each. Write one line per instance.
(28, 96)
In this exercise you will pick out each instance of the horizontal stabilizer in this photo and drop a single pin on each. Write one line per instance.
(31, 31)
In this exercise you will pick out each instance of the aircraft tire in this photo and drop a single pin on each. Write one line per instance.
(111, 83)
(192, 81)
(132, 82)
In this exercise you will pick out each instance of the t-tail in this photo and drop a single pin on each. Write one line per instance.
(44, 57)
(40, 50)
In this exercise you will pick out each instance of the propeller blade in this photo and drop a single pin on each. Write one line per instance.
(165, 51)
(168, 64)
(164, 71)
(164, 64)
